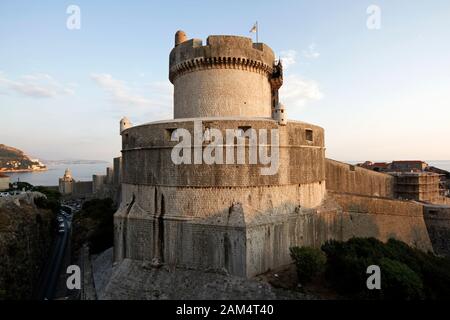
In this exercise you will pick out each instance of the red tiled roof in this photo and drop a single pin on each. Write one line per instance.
(380, 164)
(408, 161)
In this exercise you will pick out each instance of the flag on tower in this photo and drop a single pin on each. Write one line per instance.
(254, 29)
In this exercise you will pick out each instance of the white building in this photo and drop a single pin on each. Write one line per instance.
(4, 182)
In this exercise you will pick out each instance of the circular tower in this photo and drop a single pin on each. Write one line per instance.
(229, 76)
(227, 204)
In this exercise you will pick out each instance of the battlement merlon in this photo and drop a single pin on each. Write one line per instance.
(220, 51)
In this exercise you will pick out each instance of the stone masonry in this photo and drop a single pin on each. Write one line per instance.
(230, 217)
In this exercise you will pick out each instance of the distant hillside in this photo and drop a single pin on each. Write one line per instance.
(70, 162)
(12, 159)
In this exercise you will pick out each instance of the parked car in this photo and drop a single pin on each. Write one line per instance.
(61, 228)
(65, 214)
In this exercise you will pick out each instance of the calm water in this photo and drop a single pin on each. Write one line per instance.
(80, 172)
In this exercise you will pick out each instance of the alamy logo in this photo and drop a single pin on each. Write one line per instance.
(208, 147)
(74, 279)
(374, 19)
(374, 280)
(73, 22)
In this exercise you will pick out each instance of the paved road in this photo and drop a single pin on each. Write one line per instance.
(50, 275)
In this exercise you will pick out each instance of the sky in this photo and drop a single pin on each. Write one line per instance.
(374, 74)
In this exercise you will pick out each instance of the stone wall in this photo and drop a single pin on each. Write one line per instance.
(212, 202)
(4, 182)
(190, 223)
(82, 188)
(65, 186)
(237, 241)
(204, 229)
(146, 156)
(347, 178)
(270, 237)
(117, 167)
(437, 219)
(383, 218)
(98, 182)
(222, 92)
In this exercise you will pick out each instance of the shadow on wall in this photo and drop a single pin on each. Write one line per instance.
(383, 218)
(246, 242)
(437, 220)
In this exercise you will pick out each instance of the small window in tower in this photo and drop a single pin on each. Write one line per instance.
(309, 135)
(243, 129)
(170, 132)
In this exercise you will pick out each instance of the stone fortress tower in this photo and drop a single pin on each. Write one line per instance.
(66, 182)
(229, 76)
(219, 216)
(230, 216)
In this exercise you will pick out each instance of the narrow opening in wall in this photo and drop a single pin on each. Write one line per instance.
(161, 229)
(352, 168)
(155, 201)
(169, 133)
(243, 129)
(309, 135)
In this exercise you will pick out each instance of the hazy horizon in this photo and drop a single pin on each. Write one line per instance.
(379, 94)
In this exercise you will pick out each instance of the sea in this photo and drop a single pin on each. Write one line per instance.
(80, 172)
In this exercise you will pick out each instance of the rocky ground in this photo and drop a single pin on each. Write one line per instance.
(137, 280)
(25, 238)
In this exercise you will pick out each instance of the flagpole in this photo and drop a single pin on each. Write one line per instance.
(257, 31)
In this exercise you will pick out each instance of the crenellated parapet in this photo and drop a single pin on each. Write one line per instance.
(202, 63)
(229, 52)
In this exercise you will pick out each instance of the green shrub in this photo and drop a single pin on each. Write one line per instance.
(406, 273)
(346, 269)
(45, 203)
(94, 224)
(52, 200)
(51, 194)
(398, 281)
(433, 270)
(309, 262)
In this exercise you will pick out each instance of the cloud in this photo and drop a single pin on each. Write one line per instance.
(311, 53)
(296, 91)
(288, 58)
(121, 94)
(39, 85)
